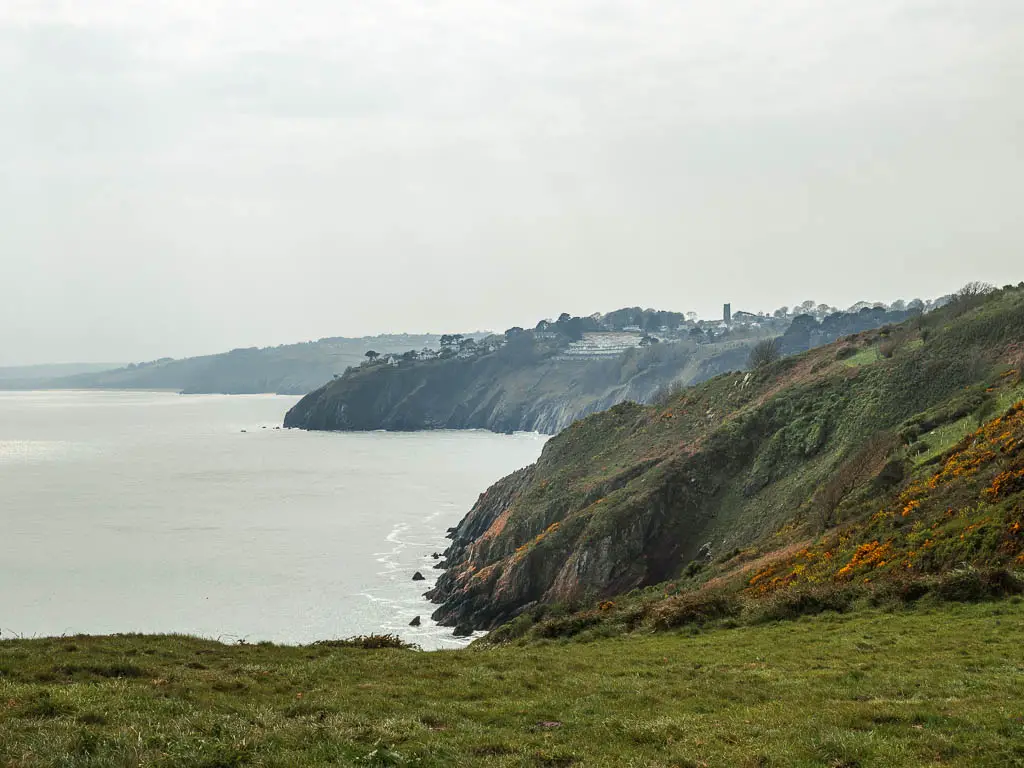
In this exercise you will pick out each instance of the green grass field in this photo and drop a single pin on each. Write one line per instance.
(940, 685)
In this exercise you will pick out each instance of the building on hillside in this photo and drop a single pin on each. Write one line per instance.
(598, 344)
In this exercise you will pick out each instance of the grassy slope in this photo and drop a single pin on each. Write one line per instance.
(628, 496)
(938, 686)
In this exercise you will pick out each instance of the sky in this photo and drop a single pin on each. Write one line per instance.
(188, 177)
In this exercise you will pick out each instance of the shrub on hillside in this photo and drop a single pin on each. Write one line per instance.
(804, 601)
(368, 642)
(694, 608)
(667, 393)
(764, 353)
(969, 584)
(567, 626)
(887, 348)
(985, 410)
(960, 585)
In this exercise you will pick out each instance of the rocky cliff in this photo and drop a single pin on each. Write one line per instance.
(522, 387)
(628, 497)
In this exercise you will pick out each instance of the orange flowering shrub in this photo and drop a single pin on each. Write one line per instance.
(910, 506)
(1005, 483)
(927, 528)
(870, 555)
(1001, 436)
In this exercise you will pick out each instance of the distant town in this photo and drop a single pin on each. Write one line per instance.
(610, 335)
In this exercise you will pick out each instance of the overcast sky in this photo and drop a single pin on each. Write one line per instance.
(187, 177)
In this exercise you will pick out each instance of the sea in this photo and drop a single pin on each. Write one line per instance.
(156, 512)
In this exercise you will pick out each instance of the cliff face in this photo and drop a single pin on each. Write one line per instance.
(628, 497)
(505, 391)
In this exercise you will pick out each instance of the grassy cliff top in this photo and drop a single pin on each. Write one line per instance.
(936, 686)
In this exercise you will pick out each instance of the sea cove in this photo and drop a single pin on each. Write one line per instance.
(157, 512)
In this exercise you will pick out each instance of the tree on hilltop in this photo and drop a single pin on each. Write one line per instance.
(974, 289)
(763, 353)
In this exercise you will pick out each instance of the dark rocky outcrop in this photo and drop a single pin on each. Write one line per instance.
(418, 577)
(415, 622)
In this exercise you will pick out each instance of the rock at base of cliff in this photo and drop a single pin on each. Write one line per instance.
(415, 622)
(462, 630)
(436, 556)
(418, 577)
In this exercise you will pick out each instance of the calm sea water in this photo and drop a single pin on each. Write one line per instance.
(155, 512)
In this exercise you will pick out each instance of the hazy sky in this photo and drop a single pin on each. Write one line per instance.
(187, 177)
